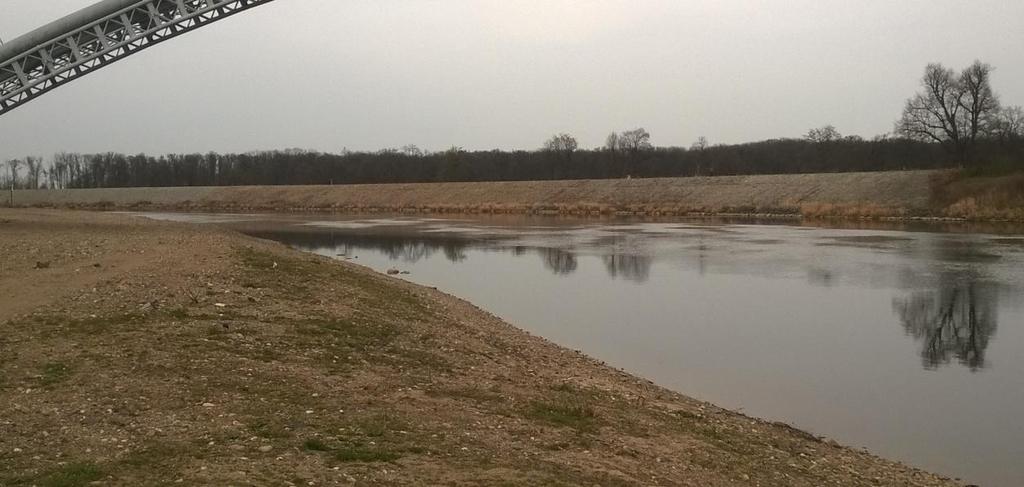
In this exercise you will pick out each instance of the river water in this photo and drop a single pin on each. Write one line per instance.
(906, 341)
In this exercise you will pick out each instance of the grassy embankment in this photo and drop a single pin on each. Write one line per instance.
(963, 195)
(144, 353)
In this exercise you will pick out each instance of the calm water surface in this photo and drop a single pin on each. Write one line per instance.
(909, 343)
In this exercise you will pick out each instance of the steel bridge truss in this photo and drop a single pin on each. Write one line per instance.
(104, 41)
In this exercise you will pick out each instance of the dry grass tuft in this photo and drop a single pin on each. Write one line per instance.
(980, 198)
(865, 210)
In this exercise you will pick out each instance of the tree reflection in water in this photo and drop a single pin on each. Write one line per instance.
(405, 249)
(454, 251)
(635, 268)
(956, 320)
(559, 261)
(414, 249)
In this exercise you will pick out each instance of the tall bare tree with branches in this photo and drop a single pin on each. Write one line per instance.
(823, 135)
(951, 109)
(1009, 124)
(635, 140)
(13, 166)
(33, 172)
(562, 143)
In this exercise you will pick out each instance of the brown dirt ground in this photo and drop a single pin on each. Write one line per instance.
(146, 353)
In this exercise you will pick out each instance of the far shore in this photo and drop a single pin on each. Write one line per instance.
(883, 196)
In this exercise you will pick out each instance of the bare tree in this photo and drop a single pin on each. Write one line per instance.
(951, 109)
(60, 170)
(12, 169)
(1009, 123)
(612, 142)
(635, 140)
(823, 135)
(980, 103)
(53, 176)
(700, 144)
(34, 172)
(562, 143)
(412, 150)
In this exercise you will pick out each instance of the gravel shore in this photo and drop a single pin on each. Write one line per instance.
(141, 353)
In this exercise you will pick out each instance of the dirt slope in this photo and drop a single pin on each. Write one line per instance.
(144, 353)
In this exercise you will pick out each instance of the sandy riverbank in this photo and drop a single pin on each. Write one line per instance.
(138, 352)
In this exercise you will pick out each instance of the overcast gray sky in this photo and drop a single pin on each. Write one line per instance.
(481, 74)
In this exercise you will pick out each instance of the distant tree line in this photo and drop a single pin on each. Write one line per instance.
(956, 120)
(560, 161)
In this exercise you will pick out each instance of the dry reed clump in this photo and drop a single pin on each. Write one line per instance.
(573, 208)
(583, 209)
(981, 198)
(971, 209)
(858, 210)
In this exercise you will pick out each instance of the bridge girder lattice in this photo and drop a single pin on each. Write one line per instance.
(101, 41)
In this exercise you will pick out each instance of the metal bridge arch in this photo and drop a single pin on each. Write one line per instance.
(97, 36)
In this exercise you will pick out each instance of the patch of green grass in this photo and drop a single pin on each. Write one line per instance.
(315, 444)
(54, 373)
(717, 436)
(687, 415)
(177, 313)
(365, 455)
(380, 301)
(266, 354)
(417, 358)
(580, 441)
(565, 387)
(156, 457)
(105, 323)
(269, 430)
(564, 412)
(355, 335)
(475, 393)
(572, 392)
(382, 295)
(54, 325)
(221, 315)
(380, 424)
(70, 475)
(257, 259)
(286, 274)
(554, 473)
